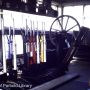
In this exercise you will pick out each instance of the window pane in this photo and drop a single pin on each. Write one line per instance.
(87, 16)
(19, 44)
(59, 11)
(9, 47)
(76, 12)
(20, 20)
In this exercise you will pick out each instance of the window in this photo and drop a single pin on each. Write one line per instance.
(21, 20)
(87, 16)
(76, 12)
(9, 46)
(81, 13)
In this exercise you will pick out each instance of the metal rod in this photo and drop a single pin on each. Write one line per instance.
(34, 43)
(14, 48)
(9, 38)
(24, 32)
(26, 35)
(31, 44)
(66, 23)
(72, 27)
(38, 48)
(3, 44)
(44, 43)
(41, 46)
(27, 42)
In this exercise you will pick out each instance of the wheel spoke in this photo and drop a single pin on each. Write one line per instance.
(72, 27)
(60, 24)
(55, 29)
(66, 23)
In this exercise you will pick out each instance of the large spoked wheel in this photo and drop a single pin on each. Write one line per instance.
(63, 24)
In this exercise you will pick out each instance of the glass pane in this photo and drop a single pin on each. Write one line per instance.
(76, 12)
(70, 25)
(59, 11)
(19, 45)
(87, 16)
(20, 20)
(56, 26)
(7, 18)
(87, 10)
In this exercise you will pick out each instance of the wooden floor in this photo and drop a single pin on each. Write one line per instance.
(81, 83)
(56, 82)
(81, 68)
